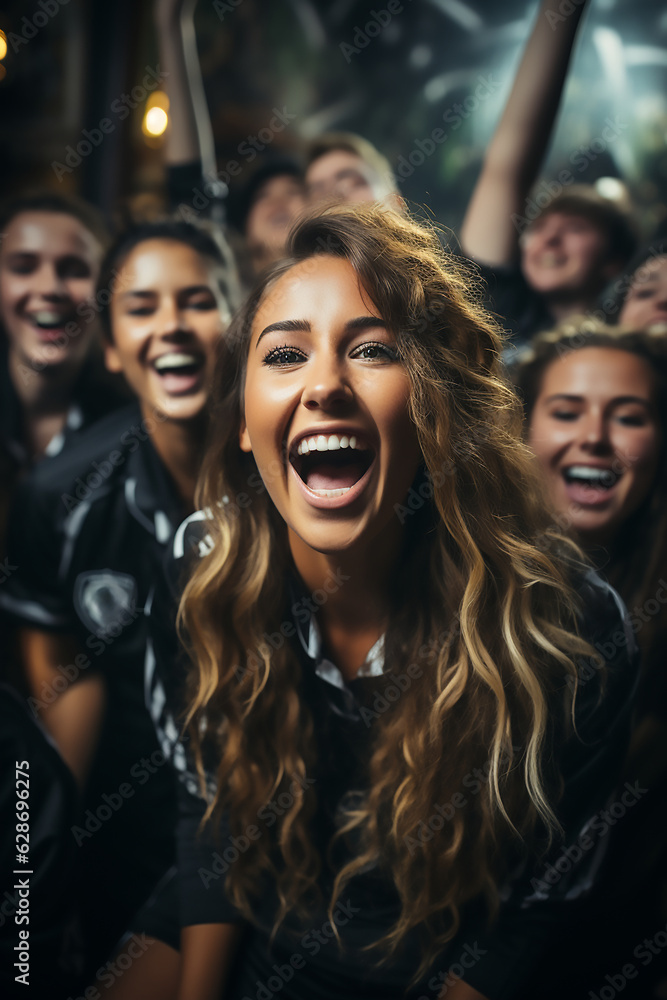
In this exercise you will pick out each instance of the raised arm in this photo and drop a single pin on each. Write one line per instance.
(190, 136)
(519, 143)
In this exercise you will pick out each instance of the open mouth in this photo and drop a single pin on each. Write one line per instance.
(588, 484)
(551, 260)
(331, 465)
(179, 371)
(49, 323)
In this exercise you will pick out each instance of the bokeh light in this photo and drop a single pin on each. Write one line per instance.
(155, 121)
(156, 115)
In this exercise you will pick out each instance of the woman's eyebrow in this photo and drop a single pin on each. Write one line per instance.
(138, 293)
(287, 326)
(570, 397)
(641, 400)
(365, 323)
(303, 325)
(195, 290)
(616, 401)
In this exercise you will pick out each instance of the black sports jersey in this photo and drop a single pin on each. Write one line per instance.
(37, 902)
(520, 309)
(93, 396)
(87, 535)
(536, 900)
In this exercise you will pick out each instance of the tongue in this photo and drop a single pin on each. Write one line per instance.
(175, 381)
(586, 494)
(327, 476)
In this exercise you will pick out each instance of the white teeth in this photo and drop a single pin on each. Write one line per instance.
(175, 360)
(46, 317)
(330, 443)
(550, 260)
(589, 473)
(332, 493)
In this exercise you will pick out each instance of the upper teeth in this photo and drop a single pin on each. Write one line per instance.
(330, 442)
(175, 360)
(589, 472)
(47, 316)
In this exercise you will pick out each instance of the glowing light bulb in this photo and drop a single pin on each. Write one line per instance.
(156, 117)
(3, 44)
(155, 121)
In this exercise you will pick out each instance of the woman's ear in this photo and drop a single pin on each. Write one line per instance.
(244, 437)
(112, 358)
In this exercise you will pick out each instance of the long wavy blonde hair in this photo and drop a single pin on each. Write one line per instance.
(485, 611)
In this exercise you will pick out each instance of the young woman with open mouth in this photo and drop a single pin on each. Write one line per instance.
(596, 413)
(596, 416)
(380, 652)
(50, 255)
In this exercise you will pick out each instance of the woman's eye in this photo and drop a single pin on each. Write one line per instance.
(564, 414)
(375, 351)
(202, 304)
(631, 419)
(140, 311)
(22, 265)
(283, 356)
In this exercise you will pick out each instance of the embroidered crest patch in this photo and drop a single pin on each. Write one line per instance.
(105, 601)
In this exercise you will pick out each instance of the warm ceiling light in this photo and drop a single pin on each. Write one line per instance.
(155, 121)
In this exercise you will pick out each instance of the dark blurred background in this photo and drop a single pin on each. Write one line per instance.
(68, 64)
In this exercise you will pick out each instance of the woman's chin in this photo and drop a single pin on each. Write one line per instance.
(179, 408)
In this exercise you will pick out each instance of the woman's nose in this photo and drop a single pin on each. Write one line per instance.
(325, 385)
(169, 319)
(48, 283)
(595, 432)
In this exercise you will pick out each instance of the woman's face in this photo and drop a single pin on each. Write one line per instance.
(326, 407)
(48, 268)
(596, 434)
(646, 303)
(275, 207)
(167, 317)
(565, 253)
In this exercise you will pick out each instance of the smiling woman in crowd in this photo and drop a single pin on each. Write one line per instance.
(596, 412)
(339, 747)
(51, 378)
(596, 417)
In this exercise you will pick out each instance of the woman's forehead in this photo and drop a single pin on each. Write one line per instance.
(318, 289)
